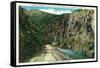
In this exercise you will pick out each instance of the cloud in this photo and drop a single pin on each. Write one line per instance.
(53, 11)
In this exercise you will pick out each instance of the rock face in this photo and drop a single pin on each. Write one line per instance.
(74, 31)
(79, 33)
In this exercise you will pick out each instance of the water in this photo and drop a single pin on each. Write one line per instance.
(70, 53)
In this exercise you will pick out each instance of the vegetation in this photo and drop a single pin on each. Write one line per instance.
(73, 31)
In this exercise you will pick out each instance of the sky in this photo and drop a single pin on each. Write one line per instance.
(53, 10)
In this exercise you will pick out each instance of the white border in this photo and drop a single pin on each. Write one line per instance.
(17, 34)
